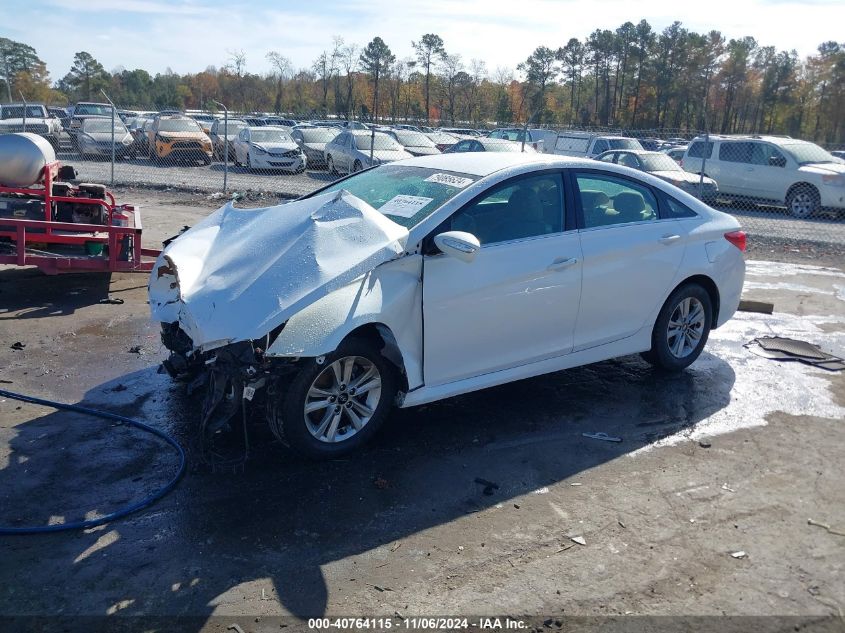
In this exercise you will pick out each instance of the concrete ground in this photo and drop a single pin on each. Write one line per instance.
(732, 456)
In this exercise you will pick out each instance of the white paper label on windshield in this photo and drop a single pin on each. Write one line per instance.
(448, 179)
(403, 206)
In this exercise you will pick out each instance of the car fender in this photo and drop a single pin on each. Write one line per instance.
(388, 296)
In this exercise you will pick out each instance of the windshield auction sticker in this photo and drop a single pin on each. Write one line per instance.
(403, 206)
(449, 179)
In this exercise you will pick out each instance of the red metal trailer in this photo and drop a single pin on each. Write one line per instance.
(62, 241)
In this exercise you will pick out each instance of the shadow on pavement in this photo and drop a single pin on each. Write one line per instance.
(54, 295)
(283, 517)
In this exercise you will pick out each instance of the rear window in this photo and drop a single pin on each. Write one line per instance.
(407, 195)
(623, 143)
(700, 149)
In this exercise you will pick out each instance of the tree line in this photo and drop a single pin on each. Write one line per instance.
(632, 77)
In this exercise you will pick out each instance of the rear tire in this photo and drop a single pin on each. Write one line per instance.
(302, 430)
(681, 329)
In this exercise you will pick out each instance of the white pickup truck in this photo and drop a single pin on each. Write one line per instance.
(585, 144)
(37, 120)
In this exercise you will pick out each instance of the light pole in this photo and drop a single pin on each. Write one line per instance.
(23, 99)
(225, 144)
(113, 110)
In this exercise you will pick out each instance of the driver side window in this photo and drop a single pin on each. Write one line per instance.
(520, 209)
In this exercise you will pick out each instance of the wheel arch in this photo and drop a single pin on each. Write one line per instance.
(800, 185)
(382, 336)
(712, 290)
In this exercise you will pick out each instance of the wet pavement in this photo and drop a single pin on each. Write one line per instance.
(735, 454)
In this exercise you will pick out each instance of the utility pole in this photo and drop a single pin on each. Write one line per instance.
(225, 144)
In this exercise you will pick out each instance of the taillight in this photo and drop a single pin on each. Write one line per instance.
(738, 239)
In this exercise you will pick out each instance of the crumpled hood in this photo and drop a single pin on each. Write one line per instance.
(241, 272)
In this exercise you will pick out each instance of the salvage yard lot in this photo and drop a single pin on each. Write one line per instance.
(735, 454)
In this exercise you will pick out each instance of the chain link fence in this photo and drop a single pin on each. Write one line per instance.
(781, 189)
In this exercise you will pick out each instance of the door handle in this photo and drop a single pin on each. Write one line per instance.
(561, 263)
(668, 239)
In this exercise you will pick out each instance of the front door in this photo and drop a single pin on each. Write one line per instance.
(518, 300)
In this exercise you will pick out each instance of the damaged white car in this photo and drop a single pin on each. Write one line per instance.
(431, 277)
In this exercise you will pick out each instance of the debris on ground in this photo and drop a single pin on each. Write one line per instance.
(739, 554)
(18, 345)
(381, 483)
(726, 487)
(112, 300)
(826, 527)
(135, 349)
(578, 539)
(704, 443)
(788, 349)
(760, 307)
(489, 486)
(602, 436)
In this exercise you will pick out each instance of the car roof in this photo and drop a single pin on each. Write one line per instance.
(638, 152)
(484, 164)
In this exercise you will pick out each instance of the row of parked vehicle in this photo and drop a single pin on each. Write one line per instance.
(752, 169)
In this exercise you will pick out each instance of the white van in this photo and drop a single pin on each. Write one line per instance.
(540, 139)
(590, 145)
(772, 170)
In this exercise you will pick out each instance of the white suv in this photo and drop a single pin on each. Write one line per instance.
(771, 169)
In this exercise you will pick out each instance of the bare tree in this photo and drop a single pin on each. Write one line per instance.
(282, 70)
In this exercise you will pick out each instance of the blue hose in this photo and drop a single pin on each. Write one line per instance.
(112, 516)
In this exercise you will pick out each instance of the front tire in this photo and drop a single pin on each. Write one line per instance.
(681, 329)
(333, 407)
(803, 202)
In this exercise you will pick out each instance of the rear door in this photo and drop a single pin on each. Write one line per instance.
(631, 256)
(767, 177)
(736, 173)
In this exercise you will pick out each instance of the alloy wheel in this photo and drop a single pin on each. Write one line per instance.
(342, 399)
(686, 326)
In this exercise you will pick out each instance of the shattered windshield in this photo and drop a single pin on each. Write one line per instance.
(407, 195)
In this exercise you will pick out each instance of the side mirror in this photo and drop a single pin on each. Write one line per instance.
(458, 244)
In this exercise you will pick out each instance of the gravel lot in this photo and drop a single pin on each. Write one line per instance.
(734, 455)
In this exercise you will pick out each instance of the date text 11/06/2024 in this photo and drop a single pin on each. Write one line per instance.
(417, 623)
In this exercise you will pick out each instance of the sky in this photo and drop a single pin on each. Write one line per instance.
(190, 35)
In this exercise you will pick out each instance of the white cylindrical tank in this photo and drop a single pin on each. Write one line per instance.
(22, 158)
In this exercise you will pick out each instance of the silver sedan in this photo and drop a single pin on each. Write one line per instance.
(352, 150)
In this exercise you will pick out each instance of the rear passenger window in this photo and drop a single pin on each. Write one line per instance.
(735, 152)
(700, 149)
(606, 200)
(675, 209)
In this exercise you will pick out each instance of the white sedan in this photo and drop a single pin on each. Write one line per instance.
(435, 276)
(268, 147)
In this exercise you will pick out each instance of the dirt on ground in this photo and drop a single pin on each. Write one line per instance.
(724, 497)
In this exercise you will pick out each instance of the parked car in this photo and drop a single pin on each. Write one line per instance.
(415, 143)
(84, 109)
(38, 120)
(589, 145)
(771, 170)
(223, 142)
(350, 151)
(485, 144)
(95, 138)
(177, 137)
(436, 276)
(662, 166)
(254, 121)
(650, 144)
(205, 121)
(268, 147)
(57, 112)
(276, 120)
(540, 139)
(312, 141)
(462, 131)
(140, 132)
(405, 126)
(676, 153)
(442, 140)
